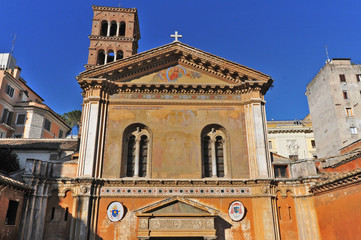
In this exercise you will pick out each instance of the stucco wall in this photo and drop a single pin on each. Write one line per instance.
(339, 213)
(176, 141)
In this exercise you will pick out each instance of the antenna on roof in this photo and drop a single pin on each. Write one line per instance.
(118, 4)
(13, 44)
(328, 58)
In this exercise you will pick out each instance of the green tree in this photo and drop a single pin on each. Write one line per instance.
(9, 161)
(72, 119)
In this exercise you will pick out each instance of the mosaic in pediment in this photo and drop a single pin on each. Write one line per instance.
(180, 75)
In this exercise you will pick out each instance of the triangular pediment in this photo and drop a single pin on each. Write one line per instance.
(177, 63)
(176, 206)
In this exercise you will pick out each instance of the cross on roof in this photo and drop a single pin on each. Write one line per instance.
(176, 36)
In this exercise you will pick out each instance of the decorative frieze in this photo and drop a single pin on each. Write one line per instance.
(175, 191)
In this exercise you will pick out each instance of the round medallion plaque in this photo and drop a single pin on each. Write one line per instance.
(115, 211)
(236, 211)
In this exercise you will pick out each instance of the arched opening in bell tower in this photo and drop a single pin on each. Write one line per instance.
(122, 28)
(104, 28)
(110, 56)
(113, 28)
(120, 54)
(101, 57)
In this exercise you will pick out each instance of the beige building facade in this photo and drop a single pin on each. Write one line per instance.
(292, 139)
(23, 113)
(333, 98)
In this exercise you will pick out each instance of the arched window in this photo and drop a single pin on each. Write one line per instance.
(136, 151)
(122, 29)
(113, 28)
(101, 57)
(104, 28)
(110, 56)
(120, 54)
(213, 139)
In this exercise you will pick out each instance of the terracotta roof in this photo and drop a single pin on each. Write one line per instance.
(40, 144)
(338, 160)
(336, 180)
(9, 181)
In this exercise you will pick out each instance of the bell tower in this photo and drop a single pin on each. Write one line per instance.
(115, 34)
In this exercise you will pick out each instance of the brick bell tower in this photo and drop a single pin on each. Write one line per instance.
(115, 35)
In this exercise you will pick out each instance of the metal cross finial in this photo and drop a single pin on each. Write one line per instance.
(176, 36)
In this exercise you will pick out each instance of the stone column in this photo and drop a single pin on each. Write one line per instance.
(136, 157)
(74, 218)
(214, 162)
(108, 31)
(118, 25)
(106, 57)
(82, 222)
(35, 219)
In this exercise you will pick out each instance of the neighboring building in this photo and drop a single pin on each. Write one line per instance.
(13, 196)
(285, 168)
(292, 139)
(333, 97)
(175, 135)
(40, 149)
(23, 113)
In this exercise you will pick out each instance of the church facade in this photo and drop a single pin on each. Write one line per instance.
(173, 146)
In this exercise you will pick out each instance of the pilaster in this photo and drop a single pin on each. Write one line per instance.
(266, 225)
(259, 161)
(95, 105)
(306, 218)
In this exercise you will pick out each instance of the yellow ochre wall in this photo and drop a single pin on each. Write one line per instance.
(176, 138)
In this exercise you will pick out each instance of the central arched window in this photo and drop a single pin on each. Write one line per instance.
(104, 28)
(113, 28)
(136, 151)
(213, 151)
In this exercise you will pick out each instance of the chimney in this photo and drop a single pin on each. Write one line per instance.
(16, 72)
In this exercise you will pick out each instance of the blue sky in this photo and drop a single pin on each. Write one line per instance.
(284, 39)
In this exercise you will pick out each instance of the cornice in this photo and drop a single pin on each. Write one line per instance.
(114, 9)
(97, 83)
(112, 38)
(112, 87)
(290, 130)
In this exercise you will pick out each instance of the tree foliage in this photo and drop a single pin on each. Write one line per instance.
(9, 161)
(72, 119)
